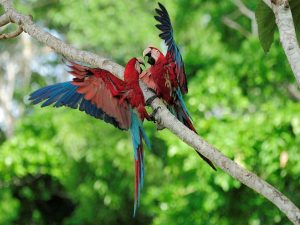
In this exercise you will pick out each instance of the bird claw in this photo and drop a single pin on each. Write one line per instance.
(152, 115)
(159, 126)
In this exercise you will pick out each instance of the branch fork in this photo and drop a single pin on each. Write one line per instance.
(6, 19)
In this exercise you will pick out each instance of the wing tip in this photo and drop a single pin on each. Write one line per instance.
(161, 6)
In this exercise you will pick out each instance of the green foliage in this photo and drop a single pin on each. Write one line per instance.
(63, 167)
(266, 25)
(295, 8)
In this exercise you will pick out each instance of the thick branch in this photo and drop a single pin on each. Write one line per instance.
(229, 166)
(288, 39)
(4, 19)
(57, 45)
(164, 116)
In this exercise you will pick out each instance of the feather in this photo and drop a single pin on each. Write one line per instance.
(100, 94)
(65, 94)
(137, 135)
(165, 26)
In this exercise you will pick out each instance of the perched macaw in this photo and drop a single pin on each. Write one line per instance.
(166, 76)
(102, 95)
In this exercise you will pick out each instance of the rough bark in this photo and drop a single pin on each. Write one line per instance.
(288, 38)
(162, 115)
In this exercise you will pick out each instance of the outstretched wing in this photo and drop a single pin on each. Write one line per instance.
(166, 28)
(95, 91)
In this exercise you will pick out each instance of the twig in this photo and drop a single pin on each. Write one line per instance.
(243, 9)
(234, 25)
(248, 13)
(163, 115)
(13, 34)
(5, 19)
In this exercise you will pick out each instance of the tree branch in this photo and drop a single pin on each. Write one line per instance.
(294, 91)
(4, 20)
(12, 34)
(288, 38)
(234, 25)
(268, 3)
(248, 13)
(162, 115)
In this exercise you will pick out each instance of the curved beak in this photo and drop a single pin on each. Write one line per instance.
(146, 51)
(141, 61)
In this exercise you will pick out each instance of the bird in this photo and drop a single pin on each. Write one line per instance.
(166, 75)
(102, 95)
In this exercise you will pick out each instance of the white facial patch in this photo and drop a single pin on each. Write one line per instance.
(155, 54)
(137, 66)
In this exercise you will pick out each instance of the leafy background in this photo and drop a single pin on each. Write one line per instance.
(63, 167)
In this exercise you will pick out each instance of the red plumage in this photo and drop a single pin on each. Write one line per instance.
(109, 93)
(115, 97)
(104, 96)
(162, 78)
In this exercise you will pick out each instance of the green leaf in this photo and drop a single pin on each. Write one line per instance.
(295, 8)
(266, 25)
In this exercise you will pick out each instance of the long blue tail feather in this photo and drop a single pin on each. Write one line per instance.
(138, 134)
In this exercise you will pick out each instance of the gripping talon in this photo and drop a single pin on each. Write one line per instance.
(152, 115)
(151, 99)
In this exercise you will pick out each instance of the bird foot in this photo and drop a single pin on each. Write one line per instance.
(151, 99)
(159, 126)
(152, 115)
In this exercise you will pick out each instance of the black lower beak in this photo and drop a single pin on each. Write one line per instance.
(151, 61)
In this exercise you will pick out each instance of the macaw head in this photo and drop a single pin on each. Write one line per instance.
(133, 69)
(153, 55)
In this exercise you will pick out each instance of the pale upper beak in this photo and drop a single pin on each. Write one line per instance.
(146, 51)
(141, 61)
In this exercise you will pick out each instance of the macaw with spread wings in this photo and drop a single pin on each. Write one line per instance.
(102, 95)
(166, 75)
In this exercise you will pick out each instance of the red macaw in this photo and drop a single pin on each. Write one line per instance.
(166, 76)
(104, 96)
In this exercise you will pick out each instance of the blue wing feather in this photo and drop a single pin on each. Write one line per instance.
(64, 94)
(182, 103)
